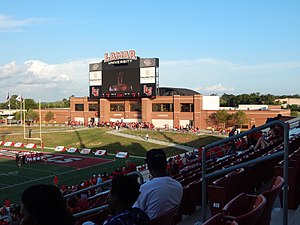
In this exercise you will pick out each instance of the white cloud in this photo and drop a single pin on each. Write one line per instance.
(215, 88)
(9, 69)
(46, 81)
(47, 71)
(8, 23)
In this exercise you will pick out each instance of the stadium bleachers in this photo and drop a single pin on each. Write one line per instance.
(190, 174)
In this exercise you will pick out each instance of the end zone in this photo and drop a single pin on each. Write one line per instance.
(75, 161)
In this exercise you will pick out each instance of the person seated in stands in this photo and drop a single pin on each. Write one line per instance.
(253, 137)
(232, 132)
(117, 172)
(130, 166)
(16, 216)
(44, 205)
(82, 202)
(278, 117)
(162, 193)
(170, 164)
(123, 193)
(72, 206)
(275, 136)
(232, 143)
(174, 169)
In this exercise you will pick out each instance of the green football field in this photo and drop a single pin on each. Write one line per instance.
(13, 180)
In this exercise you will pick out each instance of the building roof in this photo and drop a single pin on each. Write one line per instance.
(170, 91)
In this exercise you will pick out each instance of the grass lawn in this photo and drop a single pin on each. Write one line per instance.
(188, 139)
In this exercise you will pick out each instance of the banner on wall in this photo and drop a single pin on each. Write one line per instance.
(101, 152)
(72, 150)
(8, 143)
(60, 148)
(85, 151)
(122, 155)
(18, 145)
(31, 146)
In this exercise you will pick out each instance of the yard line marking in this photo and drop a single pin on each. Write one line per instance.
(1, 184)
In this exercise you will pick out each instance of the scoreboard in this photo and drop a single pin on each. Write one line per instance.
(124, 75)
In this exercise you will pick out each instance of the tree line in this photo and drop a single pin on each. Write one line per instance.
(257, 98)
(226, 100)
(32, 104)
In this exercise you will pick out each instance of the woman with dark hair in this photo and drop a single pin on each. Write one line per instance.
(123, 193)
(44, 205)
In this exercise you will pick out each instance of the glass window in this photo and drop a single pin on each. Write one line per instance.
(156, 108)
(79, 107)
(162, 107)
(187, 107)
(135, 107)
(117, 107)
(93, 107)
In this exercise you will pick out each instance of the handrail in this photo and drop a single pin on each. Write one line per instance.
(285, 152)
(90, 211)
(103, 183)
(97, 209)
(87, 189)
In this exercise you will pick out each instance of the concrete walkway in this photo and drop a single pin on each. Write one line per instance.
(183, 147)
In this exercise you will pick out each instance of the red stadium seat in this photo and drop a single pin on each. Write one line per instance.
(167, 218)
(219, 219)
(270, 196)
(245, 209)
(189, 202)
(98, 218)
(293, 181)
(223, 190)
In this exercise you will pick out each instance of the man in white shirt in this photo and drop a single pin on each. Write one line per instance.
(162, 193)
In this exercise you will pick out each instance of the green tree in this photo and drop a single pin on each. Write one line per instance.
(31, 104)
(17, 115)
(49, 116)
(222, 117)
(64, 103)
(295, 113)
(32, 116)
(213, 119)
(240, 118)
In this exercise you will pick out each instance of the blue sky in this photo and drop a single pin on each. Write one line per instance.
(212, 46)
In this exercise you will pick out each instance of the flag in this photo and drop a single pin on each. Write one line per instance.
(19, 98)
(7, 98)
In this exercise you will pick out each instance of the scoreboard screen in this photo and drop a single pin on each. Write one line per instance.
(123, 78)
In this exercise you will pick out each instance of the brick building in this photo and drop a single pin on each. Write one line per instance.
(173, 107)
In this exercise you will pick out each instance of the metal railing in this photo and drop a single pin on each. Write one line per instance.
(285, 152)
(97, 209)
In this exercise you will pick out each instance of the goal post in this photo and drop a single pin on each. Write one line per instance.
(30, 129)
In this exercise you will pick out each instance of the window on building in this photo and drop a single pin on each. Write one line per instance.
(93, 107)
(135, 107)
(162, 107)
(79, 107)
(186, 107)
(117, 107)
